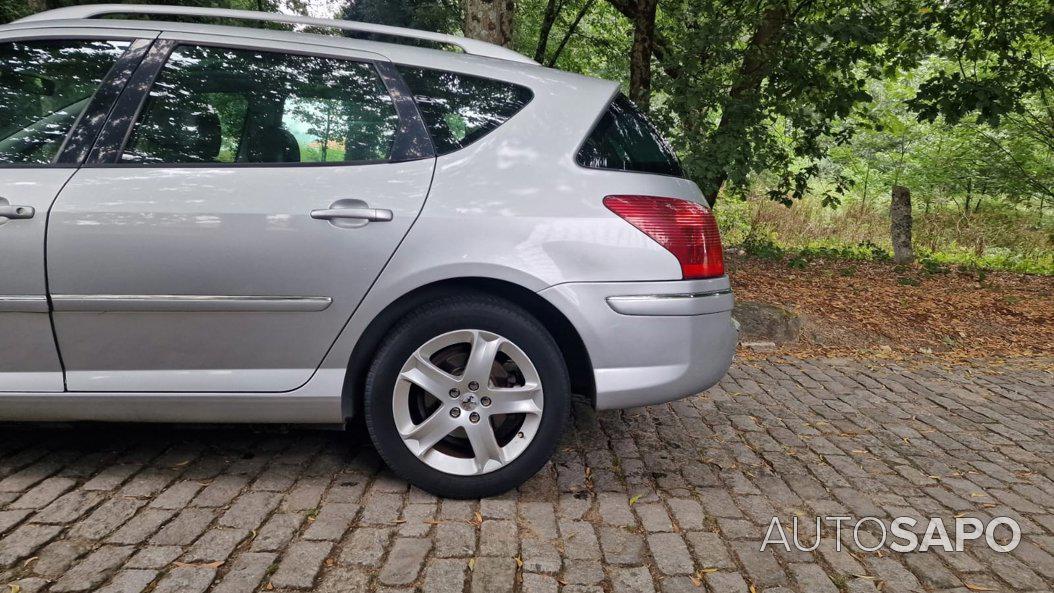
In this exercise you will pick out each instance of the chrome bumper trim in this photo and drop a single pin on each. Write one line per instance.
(690, 303)
(187, 303)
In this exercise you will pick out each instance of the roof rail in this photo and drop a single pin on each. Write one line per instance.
(469, 46)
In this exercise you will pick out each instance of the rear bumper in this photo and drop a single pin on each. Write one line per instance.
(651, 342)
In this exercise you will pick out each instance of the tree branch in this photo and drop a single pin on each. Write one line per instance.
(570, 31)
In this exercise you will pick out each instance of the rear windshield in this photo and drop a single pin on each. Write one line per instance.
(460, 109)
(625, 141)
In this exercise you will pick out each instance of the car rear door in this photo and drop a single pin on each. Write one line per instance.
(56, 86)
(232, 216)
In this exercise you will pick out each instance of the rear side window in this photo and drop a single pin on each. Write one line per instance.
(44, 87)
(222, 105)
(460, 109)
(625, 141)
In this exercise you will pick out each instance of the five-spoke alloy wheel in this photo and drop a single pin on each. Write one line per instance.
(468, 397)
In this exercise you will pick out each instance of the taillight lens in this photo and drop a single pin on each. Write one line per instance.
(686, 229)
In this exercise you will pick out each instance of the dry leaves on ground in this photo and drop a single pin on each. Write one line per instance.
(876, 308)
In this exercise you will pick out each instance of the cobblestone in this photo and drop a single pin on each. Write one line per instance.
(641, 500)
(301, 564)
(405, 561)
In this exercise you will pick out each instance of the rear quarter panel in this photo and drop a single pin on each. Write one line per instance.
(515, 206)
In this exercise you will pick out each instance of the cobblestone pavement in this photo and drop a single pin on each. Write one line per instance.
(666, 499)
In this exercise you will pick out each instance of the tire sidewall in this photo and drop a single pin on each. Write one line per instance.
(506, 320)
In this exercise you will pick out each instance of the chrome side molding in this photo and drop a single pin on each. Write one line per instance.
(23, 304)
(187, 303)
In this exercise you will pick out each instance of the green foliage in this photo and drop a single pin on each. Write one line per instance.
(431, 15)
(1040, 263)
(763, 247)
(992, 56)
(770, 89)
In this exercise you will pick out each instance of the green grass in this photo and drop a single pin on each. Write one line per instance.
(931, 262)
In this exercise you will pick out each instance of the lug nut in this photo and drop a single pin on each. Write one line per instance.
(484, 400)
(473, 386)
(455, 392)
(455, 412)
(473, 417)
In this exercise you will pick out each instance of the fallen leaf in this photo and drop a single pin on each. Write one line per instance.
(633, 499)
(215, 564)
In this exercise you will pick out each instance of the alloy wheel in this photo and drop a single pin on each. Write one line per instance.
(468, 402)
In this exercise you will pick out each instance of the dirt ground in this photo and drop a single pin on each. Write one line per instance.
(874, 309)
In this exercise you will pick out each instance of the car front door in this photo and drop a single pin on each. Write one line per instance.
(53, 86)
(222, 241)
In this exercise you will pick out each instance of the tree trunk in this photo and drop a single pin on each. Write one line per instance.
(488, 20)
(752, 72)
(552, 8)
(900, 225)
(661, 48)
(640, 55)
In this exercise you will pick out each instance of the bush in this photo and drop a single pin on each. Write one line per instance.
(999, 237)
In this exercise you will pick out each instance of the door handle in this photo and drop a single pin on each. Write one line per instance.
(15, 212)
(367, 214)
(351, 214)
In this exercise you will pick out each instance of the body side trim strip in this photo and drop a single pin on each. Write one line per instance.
(692, 303)
(23, 304)
(187, 303)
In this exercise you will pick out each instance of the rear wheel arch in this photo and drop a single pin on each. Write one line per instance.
(573, 349)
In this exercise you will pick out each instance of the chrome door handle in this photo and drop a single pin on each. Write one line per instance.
(351, 214)
(16, 212)
(367, 214)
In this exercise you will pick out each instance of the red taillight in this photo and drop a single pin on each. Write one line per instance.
(685, 229)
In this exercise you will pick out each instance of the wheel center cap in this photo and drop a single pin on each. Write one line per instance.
(469, 403)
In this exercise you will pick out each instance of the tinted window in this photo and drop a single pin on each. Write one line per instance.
(219, 105)
(44, 87)
(460, 109)
(626, 141)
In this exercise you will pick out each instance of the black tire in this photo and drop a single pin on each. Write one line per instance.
(455, 313)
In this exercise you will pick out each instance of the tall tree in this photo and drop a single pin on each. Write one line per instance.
(552, 9)
(768, 87)
(489, 20)
(641, 53)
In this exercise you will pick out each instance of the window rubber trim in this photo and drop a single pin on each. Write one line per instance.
(412, 142)
(125, 112)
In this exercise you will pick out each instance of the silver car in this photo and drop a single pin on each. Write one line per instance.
(431, 234)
